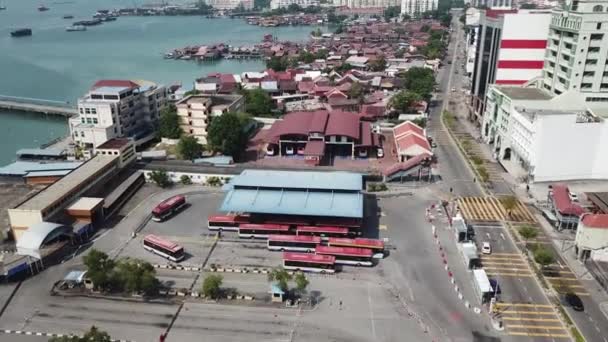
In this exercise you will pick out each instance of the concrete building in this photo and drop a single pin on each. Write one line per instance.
(116, 109)
(415, 8)
(380, 4)
(591, 241)
(509, 49)
(195, 112)
(544, 137)
(230, 4)
(493, 4)
(124, 148)
(275, 4)
(578, 49)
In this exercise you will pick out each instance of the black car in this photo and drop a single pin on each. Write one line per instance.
(574, 301)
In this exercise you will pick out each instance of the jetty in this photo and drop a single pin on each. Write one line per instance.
(41, 106)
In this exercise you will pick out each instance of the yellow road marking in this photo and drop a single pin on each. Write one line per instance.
(522, 326)
(503, 263)
(528, 312)
(505, 254)
(567, 285)
(530, 319)
(561, 278)
(537, 334)
(505, 267)
(524, 304)
(502, 258)
(523, 275)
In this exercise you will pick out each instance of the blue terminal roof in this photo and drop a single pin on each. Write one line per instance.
(347, 181)
(22, 168)
(332, 194)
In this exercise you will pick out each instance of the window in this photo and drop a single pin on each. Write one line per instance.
(88, 120)
(594, 49)
(597, 99)
(87, 110)
(598, 8)
(585, 85)
(591, 62)
(589, 73)
(596, 36)
(95, 120)
(80, 110)
(598, 26)
(82, 134)
(93, 111)
(604, 85)
(82, 120)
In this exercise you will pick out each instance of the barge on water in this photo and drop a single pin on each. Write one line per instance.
(24, 32)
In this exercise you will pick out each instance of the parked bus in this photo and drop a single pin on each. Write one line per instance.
(324, 232)
(226, 222)
(348, 255)
(261, 231)
(307, 262)
(168, 207)
(296, 243)
(338, 222)
(164, 248)
(375, 245)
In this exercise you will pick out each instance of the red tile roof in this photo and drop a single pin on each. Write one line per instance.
(405, 142)
(406, 127)
(595, 220)
(563, 203)
(406, 165)
(305, 86)
(115, 83)
(303, 123)
(343, 123)
(315, 148)
(318, 121)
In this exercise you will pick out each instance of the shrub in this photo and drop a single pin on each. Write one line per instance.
(186, 180)
(212, 286)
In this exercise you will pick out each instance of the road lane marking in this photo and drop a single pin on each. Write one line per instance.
(561, 278)
(525, 312)
(538, 334)
(534, 327)
(501, 254)
(382, 227)
(530, 319)
(525, 305)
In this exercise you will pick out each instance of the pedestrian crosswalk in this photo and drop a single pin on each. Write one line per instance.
(530, 320)
(490, 209)
(505, 265)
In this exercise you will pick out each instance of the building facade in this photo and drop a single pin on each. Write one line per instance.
(195, 112)
(366, 3)
(591, 241)
(577, 50)
(230, 4)
(415, 8)
(509, 50)
(124, 148)
(116, 109)
(275, 4)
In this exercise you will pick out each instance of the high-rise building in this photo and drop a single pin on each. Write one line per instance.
(577, 50)
(117, 109)
(230, 4)
(493, 4)
(509, 50)
(366, 3)
(415, 8)
(275, 4)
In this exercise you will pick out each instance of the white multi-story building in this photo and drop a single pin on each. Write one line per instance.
(577, 50)
(493, 4)
(117, 109)
(415, 8)
(276, 4)
(547, 137)
(366, 3)
(509, 50)
(195, 112)
(591, 241)
(230, 4)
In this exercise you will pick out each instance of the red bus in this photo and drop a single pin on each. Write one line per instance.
(296, 243)
(376, 245)
(164, 248)
(226, 222)
(339, 222)
(348, 255)
(261, 231)
(324, 232)
(307, 262)
(168, 207)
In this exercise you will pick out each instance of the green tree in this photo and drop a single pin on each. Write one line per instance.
(419, 80)
(399, 53)
(301, 282)
(344, 67)
(543, 256)
(316, 33)
(357, 91)
(161, 178)
(169, 123)
(93, 335)
(136, 276)
(227, 134)
(280, 276)
(212, 286)
(404, 100)
(99, 268)
(277, 63)
(189, 148)
(527, 233)
(392, 12)
(509, 203)
(306, 57)
(378, 64)
(258, 102)
(420, 122)
(185, 180)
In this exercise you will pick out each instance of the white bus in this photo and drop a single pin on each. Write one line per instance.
(295, 243)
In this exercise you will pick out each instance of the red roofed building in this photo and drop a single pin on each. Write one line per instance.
(592, 237)
(410, 141)
(314, 134)
(567, 212)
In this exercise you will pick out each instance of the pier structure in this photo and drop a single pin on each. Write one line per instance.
(42, 106)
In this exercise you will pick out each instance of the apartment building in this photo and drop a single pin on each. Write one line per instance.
(276, 4)
(415, 8)
(366, 3)
(117, 109)
(230, 4)
(577, 50)
(509, 49)
(196, 111)
(493, 4)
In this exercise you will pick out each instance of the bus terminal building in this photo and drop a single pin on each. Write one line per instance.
(296, 195)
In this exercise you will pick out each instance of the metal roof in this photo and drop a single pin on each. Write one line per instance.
(294, 202)
(32, 239)
(22, 168)
(45, 152)
(345, 181)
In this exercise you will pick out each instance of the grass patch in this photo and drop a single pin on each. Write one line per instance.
(566, 316)
(578, 337)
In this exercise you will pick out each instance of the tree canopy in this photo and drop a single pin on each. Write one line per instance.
(378, 64)
(160, 178)
(404, 100)
(212, 286)
(258, 102)
(169, 123)
(278, 63)
(189, 148)
(227, 134)
(419, 80)
(281, 277)
(93, 335)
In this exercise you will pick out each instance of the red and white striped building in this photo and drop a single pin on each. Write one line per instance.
(510, 49)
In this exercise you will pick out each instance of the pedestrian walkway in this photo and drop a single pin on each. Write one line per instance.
(490, 209)
(506, 265)
(531, 320)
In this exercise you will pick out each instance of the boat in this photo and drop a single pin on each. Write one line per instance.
(24, 32)
(87, 22)
(2, 8)
(43, 8)
(75, 28)
(69, 16)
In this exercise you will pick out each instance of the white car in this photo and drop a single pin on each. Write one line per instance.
(453, 89)
(270, 151)
(380, 152)
(486, 248)
(363, 153)
(289, 150)
(573, 196)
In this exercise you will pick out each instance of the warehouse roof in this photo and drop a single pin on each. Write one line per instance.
(65, 185)
(22, 168)
(46, 152)
(347, 181)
